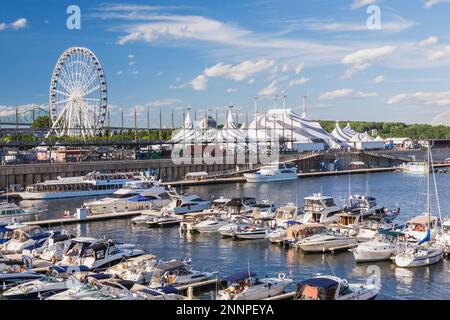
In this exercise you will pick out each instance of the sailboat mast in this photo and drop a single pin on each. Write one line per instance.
(428, 187)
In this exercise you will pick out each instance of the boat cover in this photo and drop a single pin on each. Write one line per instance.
(138, 198)
(239, 276)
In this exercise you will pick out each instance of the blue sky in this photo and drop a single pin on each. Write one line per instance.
(209, 54)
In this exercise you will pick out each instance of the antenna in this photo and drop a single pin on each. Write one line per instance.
(284, 98)
(275, 98)
(304, 105)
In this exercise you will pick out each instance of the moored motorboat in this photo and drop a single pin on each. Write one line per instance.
(334, 288)
(327, 241)
(381, 248)
(273, 172)
(246, 286)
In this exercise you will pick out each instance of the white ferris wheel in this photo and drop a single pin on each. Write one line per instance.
(78, 95)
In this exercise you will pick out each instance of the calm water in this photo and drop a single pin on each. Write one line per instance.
(211, 252)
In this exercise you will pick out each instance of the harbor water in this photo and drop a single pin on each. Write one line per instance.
(211, 252)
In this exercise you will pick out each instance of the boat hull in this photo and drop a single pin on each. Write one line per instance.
(328, 245)
(61, 195)
(412, 261)
(257, 178)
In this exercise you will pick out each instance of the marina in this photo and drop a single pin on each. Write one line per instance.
(169, 243)
(225, 157)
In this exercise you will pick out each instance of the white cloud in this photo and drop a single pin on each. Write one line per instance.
(299, 81)
(299, 68)
(378, 79)
(345, 93)
(251, 81)
(179, 86)
(270, 90)
(199, 83)
(2, 26)
(362, 3)
(240, 71)
(131, 56)
(423, 98)
(164, 102)
(232, 90)
(362, 59)
(430, 3)
(396, 24)
(285, 68)
(119, 72)
(428, 42)
(19, 24)
(442, 119)
(440, 54)
(135, 72)
(132, 63)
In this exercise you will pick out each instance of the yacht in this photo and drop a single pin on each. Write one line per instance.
(57, 280)
(416, 167)
(368, 206)
(246, 286)
(320, 209)
(240, 223)
(138, 269)
(176, 273)
(326, 241)
(251, 232)
(28, 238)
(185, 203)
(211, 225)
(240, 206)
(14, 272)
(165, 219)
(134, 196)
(12, 213)
(334, 288)
(383, 247)
(273, 172)
(265, 209)
(285, 214)
(94, 254)
(53, 248)
(92, 184)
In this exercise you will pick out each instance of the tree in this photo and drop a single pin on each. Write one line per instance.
(41, 122)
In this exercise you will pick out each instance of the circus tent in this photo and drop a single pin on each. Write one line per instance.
(358, 140)
(301, 133)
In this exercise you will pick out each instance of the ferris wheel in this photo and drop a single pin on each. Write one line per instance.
(78, 95)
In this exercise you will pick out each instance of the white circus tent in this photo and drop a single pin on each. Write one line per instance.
(187, 133)
(358, 140)
(300, 132)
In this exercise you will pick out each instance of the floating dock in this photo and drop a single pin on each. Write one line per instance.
(73, 220)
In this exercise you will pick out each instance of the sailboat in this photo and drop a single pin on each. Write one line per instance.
(425, 252)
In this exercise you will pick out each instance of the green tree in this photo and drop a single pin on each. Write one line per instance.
(41, 122)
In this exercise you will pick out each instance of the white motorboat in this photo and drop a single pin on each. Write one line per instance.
(146, 216)
(96, 290)
(273, 172)
(191, 220)
(134, 196)
(251, 232)
(381, 248)
(92, 184)
(210, 225)
(334, 288)
(14, 272)
(416, 167)
(94, 254)
(175, 273)
(327, 241)
(230, 229)
(138, 269)
(185, 203)
(278, 235)
(245, 286)
(12, 213)
(57, 280)
(28, 238)
(53, 249)
(240, 206)
(263, 210)
(320, 209)
(165, 219)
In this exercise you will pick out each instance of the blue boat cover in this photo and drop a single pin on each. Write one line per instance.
(319, 282)
(138, 198)
(239, 276)
(72, 268)
(168, 289)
